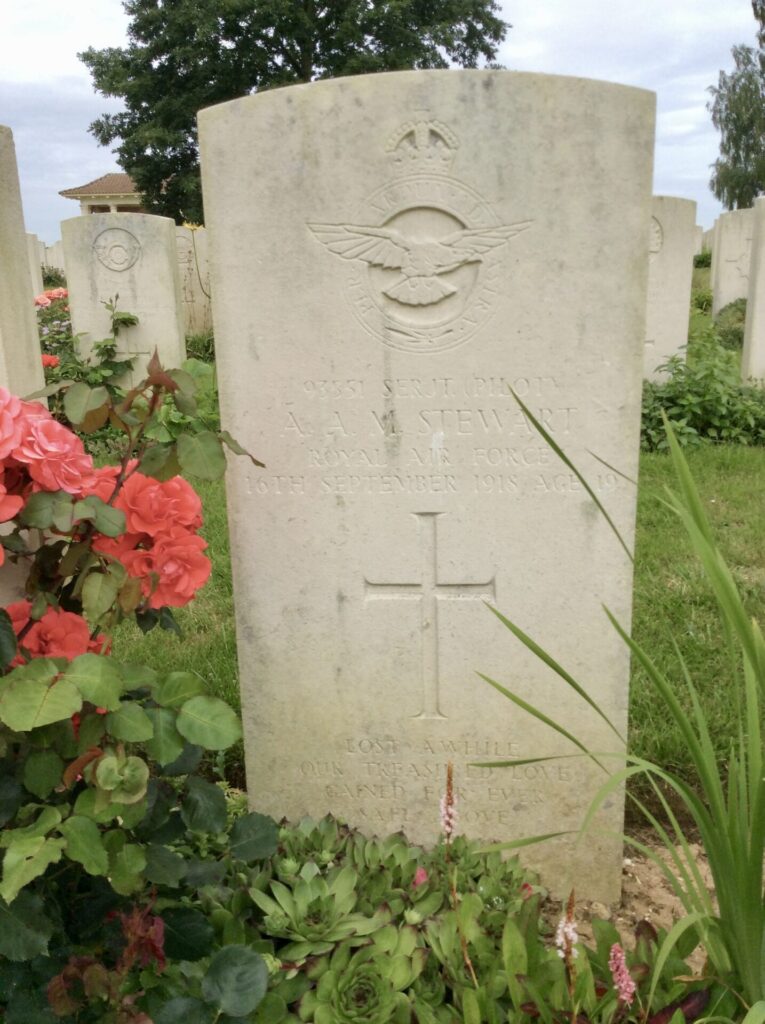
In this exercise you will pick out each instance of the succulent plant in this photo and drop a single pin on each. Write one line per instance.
(316, 912)
(366, 987)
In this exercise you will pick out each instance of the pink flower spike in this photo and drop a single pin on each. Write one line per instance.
(420, 877)
(623, 983)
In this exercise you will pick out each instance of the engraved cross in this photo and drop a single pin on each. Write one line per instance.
(429, 591)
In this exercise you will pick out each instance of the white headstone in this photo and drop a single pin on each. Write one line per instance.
(54, 256)
(753, 355)
(670, 272)
(20, 364)
(699, 240)
(132, 256)
(730, 257)
(391, 254)
(195, 279)
(35, 266)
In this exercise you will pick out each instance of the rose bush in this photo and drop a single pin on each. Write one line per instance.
(88, 744)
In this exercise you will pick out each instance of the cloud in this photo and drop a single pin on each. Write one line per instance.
(53, 146)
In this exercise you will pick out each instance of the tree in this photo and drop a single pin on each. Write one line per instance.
(738, 112)
(183, 55)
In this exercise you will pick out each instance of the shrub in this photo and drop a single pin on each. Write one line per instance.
(729, 325)
(201, 346)
(703, 259)
(703, 399)
(701, 300)
(53, 278)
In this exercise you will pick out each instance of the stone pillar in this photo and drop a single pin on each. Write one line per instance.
(20, 364)
(35, 267)
(753, 355)
(195, 279)
(133, 256)
(730, 257)
(670, 272)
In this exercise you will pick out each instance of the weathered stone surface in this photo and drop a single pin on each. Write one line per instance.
(20, 364)
(753, 355)
(35, 266)
(670, 271)
(730, 257)
(195, 279)
(391, 255)
(54, 256)
(699, 240)
(131, 255)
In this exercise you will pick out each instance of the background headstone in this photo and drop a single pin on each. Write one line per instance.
(707, 239)
(753, 355)
(670, 271)
(698, 240)
(35, 266)
(195, 279)
(20, 363)
(391, 254)
(54, 256)
(730, 257)
(131, 255)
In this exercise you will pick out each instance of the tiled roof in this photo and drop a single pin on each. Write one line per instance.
(106, 185)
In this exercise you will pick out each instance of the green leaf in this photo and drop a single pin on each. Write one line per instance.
(99, 592)
(98, 680)
(42, 772)
(106, 519)
(125, 870)
(80, 399)
(236, 980)
(209, 722)
(188, 934)
(163, 866)
(204, 806)
(38, 511)
(167, 743)
(8, 643)
(125, 779)
(11, 796)
(253, 837)
(31, 698)
(24, 928)
(185, 1010)
(130, 723)
(202, 455)
(177, 688)
(25, 860)
(237, 449)
(84, 844)
(155, 458)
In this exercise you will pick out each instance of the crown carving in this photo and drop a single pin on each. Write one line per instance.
(422, 147)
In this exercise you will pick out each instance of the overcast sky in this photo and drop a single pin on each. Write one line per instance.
(674, 47)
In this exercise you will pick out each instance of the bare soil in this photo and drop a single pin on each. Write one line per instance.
(646, 896)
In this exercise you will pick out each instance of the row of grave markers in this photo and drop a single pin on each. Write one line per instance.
(394, 258)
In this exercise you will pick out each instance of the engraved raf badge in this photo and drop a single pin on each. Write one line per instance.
(425, 260)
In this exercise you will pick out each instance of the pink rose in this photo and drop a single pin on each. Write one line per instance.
(56, 293)
(152, 506)
(42, 301)
(117, 547)
(50, 362)
(58, 634)
(173, 570)
(11, 422)
(55, 457)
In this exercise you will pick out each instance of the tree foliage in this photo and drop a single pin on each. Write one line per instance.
(738, 113)
(183, 55)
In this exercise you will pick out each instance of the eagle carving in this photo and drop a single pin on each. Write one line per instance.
(421, 263)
